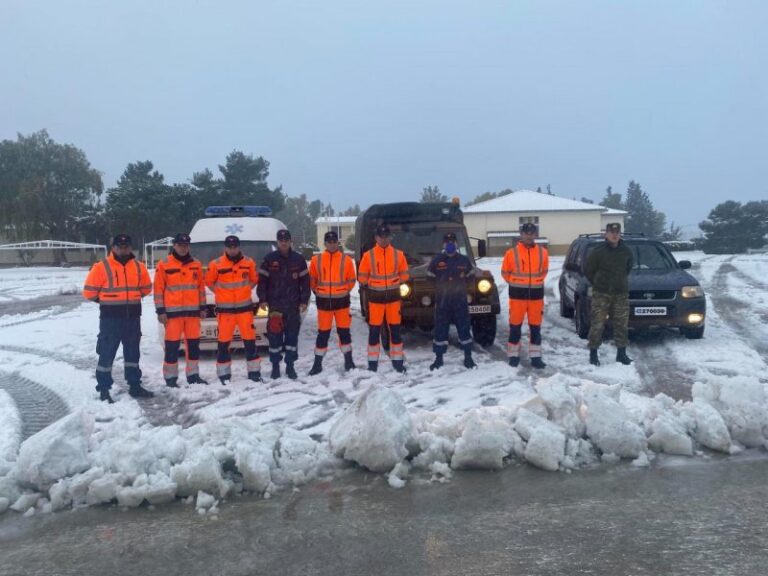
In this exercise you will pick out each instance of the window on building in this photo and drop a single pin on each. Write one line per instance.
(526, 219)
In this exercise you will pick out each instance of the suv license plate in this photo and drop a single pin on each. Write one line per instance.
(650, 311)
(211, 332)
(480, 309)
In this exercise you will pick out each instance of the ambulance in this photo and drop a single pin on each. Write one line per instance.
(257, 231)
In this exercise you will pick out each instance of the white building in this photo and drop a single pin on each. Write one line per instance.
(560, 220)
(344, 226)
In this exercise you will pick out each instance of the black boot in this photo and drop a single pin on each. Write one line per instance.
(468, 362)
(317, 367)
(275, 371)
(195, 379)
(399, 366)
(538, 363)
(290, 372)
(593, 359)
(136, 391)
(225, 379)
(438, 363)
(105, 397)
(373, 366)
(514, 361)
(621, 356)
(255, 376)
(349, 364)
(172, 382)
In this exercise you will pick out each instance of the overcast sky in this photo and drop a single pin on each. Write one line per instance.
(361, 102)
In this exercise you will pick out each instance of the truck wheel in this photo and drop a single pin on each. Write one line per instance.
(693, 333)
(565, 310)
(581, 318)
(484, 330)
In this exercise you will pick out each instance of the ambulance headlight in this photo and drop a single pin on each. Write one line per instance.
(405, 290)
(484, 286)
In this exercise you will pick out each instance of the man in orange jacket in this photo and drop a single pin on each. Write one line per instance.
(331, 277)
(382, 269)
(118, 283)
(525, 268)
(180, 304)
(232, 278)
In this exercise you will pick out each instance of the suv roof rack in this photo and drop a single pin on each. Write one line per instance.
(602, 235)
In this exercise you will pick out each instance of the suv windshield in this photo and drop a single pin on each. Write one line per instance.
(207, 251)
(421, 243)
(648, 256)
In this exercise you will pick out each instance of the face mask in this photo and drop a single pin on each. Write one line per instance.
(450, 247)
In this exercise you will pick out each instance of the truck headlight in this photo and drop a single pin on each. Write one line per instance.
(484, 286)
(262, 312)
(691, 292)
(405, 290)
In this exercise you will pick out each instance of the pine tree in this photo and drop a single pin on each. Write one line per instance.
(641, 217)
(432, 194)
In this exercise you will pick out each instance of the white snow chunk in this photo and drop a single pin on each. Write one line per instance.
(609, 424)
(10, 430)
(741, 401)
(204, 500)
(104, 489)
(396, 478)
(561, 403)
(58, 451)
(711, 430)
(546, 441)
(297, 457)
(4, 504)
(25, 502)
(486, 439)
(373, 431)
(199, 471)
(668, 434)
(641, 461)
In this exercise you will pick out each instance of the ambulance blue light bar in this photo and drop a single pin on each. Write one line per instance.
(234, 211)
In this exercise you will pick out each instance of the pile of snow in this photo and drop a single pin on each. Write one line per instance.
(10, 431)
(569, 423)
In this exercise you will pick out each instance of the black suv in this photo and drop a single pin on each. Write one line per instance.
(661, 292)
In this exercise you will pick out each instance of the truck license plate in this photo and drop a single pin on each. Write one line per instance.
(650, 311)
(480, 309)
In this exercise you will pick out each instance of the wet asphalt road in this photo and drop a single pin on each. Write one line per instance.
(682, 516)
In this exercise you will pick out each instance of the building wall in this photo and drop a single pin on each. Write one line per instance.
(611, 218)
(344, 229)
(560, 228)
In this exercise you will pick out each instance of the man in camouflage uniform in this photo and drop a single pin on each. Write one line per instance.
(608, 268)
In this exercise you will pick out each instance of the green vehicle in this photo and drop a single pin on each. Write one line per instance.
(417, 230)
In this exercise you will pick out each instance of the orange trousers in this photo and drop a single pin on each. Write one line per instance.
(188, 327)
(325, 319)
(518, 309)
(378, 313)
(243, 321)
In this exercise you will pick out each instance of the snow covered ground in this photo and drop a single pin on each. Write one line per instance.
(205, 443)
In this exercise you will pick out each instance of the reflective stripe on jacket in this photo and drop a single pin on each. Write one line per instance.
(382, 270)
(232, 283)
(331, 277)
(179, 287)
(525, 269)
(118, 288)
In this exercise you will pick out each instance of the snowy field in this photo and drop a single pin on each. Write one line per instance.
(208, 443)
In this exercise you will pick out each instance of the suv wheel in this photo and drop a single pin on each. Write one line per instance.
(484, 330)
(693, 333)
(565, 310)
(581, 317)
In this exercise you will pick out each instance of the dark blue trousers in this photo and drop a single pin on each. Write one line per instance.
(286, 340)
(112, 333)
(452, 311)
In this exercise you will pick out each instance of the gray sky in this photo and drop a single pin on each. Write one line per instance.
(361, 102)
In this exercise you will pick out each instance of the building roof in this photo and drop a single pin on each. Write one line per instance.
(530, 201)
(336, 220)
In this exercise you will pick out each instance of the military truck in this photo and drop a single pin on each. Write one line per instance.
(417, 230)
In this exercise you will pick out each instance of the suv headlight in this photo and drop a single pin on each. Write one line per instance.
(484, 286)
(691, 291)
(262, 312)
(405, 290)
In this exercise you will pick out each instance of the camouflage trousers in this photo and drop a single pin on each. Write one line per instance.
(615, 307)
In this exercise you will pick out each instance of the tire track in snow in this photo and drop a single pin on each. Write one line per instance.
(38, 406)
(77, 361)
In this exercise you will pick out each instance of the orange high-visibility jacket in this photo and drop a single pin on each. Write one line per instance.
(382, 270)
(331, 277)
(232, 283)
(179, 287)
(525, 269)
(118, 288)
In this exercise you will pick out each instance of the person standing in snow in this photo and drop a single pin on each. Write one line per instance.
(452, 272)
(180, 305)
(607, 270)
(331, 277)
(118, 283)
(232, 277)
(284, 289)
(525, 268)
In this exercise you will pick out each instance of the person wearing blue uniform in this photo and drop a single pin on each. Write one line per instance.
(283, 288)
(452, 272)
